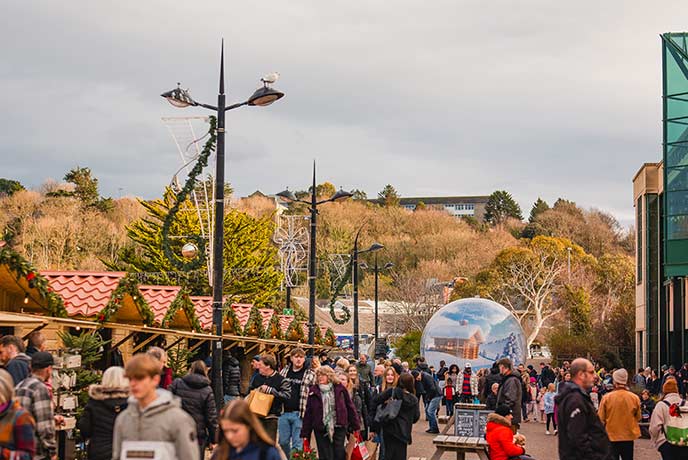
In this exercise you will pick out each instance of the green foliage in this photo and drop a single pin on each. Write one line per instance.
(325, 190)
(359, 195)
(538, 208)
(579, 310)
(420, 206)
(184, 302)
(408, 345)
(86, 186)
(500, 207)
(251, 275)
(127, 286)
(8, 187)
(232, 325)
(273, 331)
(178, 359)
(254, 325)
(330, 339)
(610, 360)
(388, 196)
(565, 346)
(317, 335)
(295, 332)
(90, 346)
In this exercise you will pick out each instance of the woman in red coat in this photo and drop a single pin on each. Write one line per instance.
(500, 438)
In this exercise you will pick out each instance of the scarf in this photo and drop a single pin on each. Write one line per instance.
(328, 409)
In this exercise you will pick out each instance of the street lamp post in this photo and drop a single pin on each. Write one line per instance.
(373, 247)
(312, 263)
(181, 98)
(376, 271)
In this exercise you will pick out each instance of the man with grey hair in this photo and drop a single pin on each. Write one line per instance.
(581, 433)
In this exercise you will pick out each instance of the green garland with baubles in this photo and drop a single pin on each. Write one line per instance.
(184, 302)
(127, 286)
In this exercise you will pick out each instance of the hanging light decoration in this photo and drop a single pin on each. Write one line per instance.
(189, 251)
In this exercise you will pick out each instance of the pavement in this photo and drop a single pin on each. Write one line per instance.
(538, 444)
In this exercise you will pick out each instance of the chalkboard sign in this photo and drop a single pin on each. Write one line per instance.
(470, 420)
(465, 423)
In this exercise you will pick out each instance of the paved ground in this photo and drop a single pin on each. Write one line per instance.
(538, 444)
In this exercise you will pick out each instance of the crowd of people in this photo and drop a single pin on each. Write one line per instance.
(140, 409)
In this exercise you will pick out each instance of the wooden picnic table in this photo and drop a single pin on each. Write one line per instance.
(460, 445)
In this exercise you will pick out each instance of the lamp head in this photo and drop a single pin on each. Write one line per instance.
(389, 265)
(179, 97)
(341, 195)
(375, 247)
(264, 96)
(287, 195)
(363, 265)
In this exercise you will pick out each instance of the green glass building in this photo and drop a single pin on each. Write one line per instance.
(660, 193)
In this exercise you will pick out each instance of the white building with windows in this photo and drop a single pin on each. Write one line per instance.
(457, 206)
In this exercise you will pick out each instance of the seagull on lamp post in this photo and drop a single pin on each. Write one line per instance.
(270, 78)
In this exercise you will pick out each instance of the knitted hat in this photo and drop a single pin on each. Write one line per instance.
(41, 360)
(503, 410)
(670, 386)
(620, 377)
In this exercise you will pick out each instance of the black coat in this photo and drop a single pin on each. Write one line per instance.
(198, 401)
(401, 427)
(231, 376)
(581, 433)
(493, 377)
(97, 422)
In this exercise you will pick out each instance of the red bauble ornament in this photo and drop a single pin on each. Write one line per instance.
(30, 276)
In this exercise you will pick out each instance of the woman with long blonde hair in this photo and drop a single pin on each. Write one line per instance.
(243, 436)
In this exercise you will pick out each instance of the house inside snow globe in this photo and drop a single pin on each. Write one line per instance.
(474, 330)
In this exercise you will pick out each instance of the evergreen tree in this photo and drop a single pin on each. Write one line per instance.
(538, 208)
(388, 197)
(420, 206)
(500, 207)
(85, 185)
(249, 255)
(8, 187)
(359, 195)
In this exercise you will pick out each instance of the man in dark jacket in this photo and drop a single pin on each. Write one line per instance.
(198, 401)
(492, 377)
(12, 355)
(271, 382)
(510, 390)
(431, 397)
(581, 433)
(231, 377)
(546, 375)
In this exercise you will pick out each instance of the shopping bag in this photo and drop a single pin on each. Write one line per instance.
(260, 403)
(372, 448)
(388, 411)
(360, 451)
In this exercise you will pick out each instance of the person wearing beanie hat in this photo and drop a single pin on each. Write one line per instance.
(661, 416)
(499, 436)
(620, 413)
(34, 396)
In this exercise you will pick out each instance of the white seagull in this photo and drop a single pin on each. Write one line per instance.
(270, 78)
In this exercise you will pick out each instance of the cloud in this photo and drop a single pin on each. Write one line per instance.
(447, 98)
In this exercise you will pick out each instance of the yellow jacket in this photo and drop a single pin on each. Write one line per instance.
(620, 413)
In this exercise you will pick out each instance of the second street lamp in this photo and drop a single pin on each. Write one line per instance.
(312, 267)
(376, 271)
(354, 266)
(181, 98)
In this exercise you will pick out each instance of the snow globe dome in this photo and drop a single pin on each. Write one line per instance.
(474, 330)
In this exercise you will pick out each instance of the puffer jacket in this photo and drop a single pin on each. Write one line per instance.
(581, 433)
(500, 438)
(231, 376)
(97, 422)
(493, 377)
(18, 367)
(198, 401)
(162, 423)
(511, 394)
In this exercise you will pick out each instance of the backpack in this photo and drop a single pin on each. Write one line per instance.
(676, 425)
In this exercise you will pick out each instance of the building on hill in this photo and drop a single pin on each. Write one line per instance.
(457, 206)
(660, 198)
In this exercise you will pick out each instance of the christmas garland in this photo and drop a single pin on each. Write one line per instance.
(22, 268)
(180, 198)
(127, 285)
(273, 331)
(337, 292)
(254, 325)
(184, 302)
(317, 335)
(330, 339)
(231, 317)
(295, 331)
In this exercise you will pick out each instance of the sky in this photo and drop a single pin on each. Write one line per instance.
(539, 98)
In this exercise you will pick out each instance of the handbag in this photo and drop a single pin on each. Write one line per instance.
(389, 411)
(360, 451)
(260, 403)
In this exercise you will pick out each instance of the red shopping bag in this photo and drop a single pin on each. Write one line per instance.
(360, 451)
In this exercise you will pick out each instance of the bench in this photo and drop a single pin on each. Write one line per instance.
(460, 445)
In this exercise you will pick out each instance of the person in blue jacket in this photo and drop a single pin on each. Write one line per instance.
(243, 436)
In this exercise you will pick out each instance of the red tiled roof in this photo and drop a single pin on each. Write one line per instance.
(204, 310)
(159, 299)
(242, 311)
(285, 321)
(84, 293)
(266, 313)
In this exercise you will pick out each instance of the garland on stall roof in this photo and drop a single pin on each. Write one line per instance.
(295, 331)
(254, 325)
(330, 339)
(338, 291)
(184, 302)
(317, 335)
(182, 195)
(232, 324)
(127, 285)
(23, 269)
(273, 331)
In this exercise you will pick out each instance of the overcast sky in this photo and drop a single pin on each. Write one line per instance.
(436, 98)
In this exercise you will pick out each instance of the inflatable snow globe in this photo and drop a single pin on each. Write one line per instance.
(474, 330)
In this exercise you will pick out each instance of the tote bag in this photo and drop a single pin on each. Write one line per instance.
(260, 403)
(389, 411)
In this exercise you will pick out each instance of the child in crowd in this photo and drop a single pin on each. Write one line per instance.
(533, 400)
(541, 403)
(449, 396)
(548, 402)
